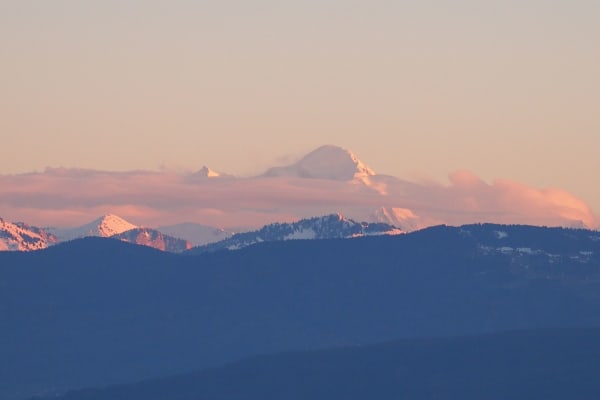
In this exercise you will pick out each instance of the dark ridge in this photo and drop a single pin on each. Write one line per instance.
(95, 311)
(537, 364)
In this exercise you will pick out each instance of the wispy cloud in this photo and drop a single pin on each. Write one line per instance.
(63, 197)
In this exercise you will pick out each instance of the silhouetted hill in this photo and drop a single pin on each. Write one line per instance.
(98, 311)
(84, 252)
(539, 364)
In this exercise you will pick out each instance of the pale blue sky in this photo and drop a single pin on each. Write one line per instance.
(506, 89)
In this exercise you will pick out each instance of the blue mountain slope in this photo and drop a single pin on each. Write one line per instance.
(98, 311)
(539, 364)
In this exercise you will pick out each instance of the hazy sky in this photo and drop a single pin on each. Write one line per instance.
(506, 89)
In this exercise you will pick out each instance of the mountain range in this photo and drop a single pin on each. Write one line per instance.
(96, 311)
(329, 179)
(334, 226)
(23, 237)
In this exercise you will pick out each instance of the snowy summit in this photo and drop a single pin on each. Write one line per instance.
(105, 226)
(113, 226)
(326, 162)
(206, 172)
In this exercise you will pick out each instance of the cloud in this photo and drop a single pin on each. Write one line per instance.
(69, 197)
(465, 179)
(470, 199)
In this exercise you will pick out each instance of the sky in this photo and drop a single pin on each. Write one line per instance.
(504, 89)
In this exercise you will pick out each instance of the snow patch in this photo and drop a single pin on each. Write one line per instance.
(525, 250)
(500, 234)
(301, 234)
(105, 226)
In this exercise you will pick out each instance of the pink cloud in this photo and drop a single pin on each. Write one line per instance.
(68, 197)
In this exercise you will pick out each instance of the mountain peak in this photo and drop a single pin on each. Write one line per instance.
(105, 226)
(326, 162)
(206, 172)
(110, 224)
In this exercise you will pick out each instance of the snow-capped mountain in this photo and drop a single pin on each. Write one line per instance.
(154, 238)
(205, 173)
(106, 226)
(326, 162)
(327, 227)
(113, 226)
(25, 238)
(196, 234)
(22, 237)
